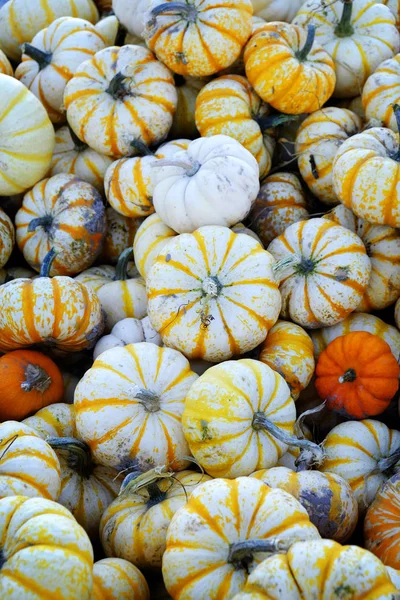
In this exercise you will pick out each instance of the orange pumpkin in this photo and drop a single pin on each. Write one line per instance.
(29, 381)
(357, 375)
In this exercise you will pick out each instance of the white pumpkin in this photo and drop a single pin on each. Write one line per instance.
(213, 182)
(276, 10)
(131, 14)
(127, 331)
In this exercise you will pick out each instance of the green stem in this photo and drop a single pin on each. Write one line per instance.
(149, 400)
(387, 463)
(274, 120)
(302, 54)
(241, 554)
(188, 11)
(122, 265)
(47, 262)
(44, 222)
(344, 27)
(42, 58)
(191, 168)
(348, 377)
(141, 148)
(79, 145)
(117, 88)
(79, 457)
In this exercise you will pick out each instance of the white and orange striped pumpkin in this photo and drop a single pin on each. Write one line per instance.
(7, 237)
(64, 214)
(129, 406)
(279, 203)
(213, 294)
(381, 91)
(169, 149)
(151, 237)
(5, 65)
(230, 106)
(317, 141)
(326, 274)
(116, 578)
(95, 277)
(119, 96)
(120, 234)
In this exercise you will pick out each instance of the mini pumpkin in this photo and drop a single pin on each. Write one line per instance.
(187, 88)
(120, 234)
(276, 10)
(7, 237)
(116, 578)
(151, 237)
(127, 331)
(381, 91)
(63, 214)
(131, 15)
(95, 277)
(5, 65)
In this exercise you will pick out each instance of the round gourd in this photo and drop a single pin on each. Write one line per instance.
(21, 20)
(279, 203)
(140, 390)
(184, 124)
(226, 285)
(198, 39)
(276, 10)
(64, 214)
(121, 232)
(288, 69)
(109, 28)
(5, 65)
(317, 141)
(27, 137)
(151, 237)
(222, 533)
(76, 158)
(7, 237)
(131, 15)
(95, 277)
(119, 96)
(364, 26)
(116, 578)
(29, 381)
(169, 149)
(328, 275)
(289, 350)
(381, 91)
(127, 331)
(395, 8)
(229, 106)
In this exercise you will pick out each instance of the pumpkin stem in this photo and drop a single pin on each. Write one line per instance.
(42, 58)
(212, 286)
(141, 148)
(136, 481)
(117, 88)
(274, 120)
(79, 146)
(348, 377)
(279, 267)
(387, 463)
(299, 425)
(241, 554)
(187, 11)
(122, 264)
(36, 378)
(44, 222)
(302, 54)
(191, 168)
(344, 28)
(47, 262)
(149, 400)
(79, 456)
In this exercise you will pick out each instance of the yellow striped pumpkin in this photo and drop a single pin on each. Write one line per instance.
(120, 96)
(206, 555)
(151, 237)
(95, 277)
(170, 148)
(394, 6)
(27, 137)
(7, 237)
(116, 578)
(317, 142)
(129, 406)
(187, 88)
(230, 106)
(276, 10)
(212, 294)
(121, 232)
(381, 91)
(5, 65)
(21, 20)
(327, 274)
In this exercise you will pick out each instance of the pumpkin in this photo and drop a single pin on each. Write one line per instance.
(394, 575)
(367, 27)
(381, 91)
(382, 523)
(227, 417)
(21, 20)
(395, 8)
(228, 105)
(279, 203)
(73, 157)
(119, 96)
(319, 569)
(7, 237)
(116, 578)
(28, 464)
(120, 234)
(357, 322)
(131, 15)
(127, 331)
(86, 487)
(365, 453)
(110, 29)
(276, 10)
(365, 175)
(327, 498)
(353, 104)
(317, 141)
(27, 137)
(223, 532)
(151, 237)
(198, 39)
(169, 149)
(241, 228)
(184, 124)
(57, 312)
(129, 406)
(29, 380)
(67, 215)
(5, 65)
(146, 505)
(289, 350)
(95, 277)
(213, 294)
(288, 69)
(213, 182)
(53, 56)
(328, 275)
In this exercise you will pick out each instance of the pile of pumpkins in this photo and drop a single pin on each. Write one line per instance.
(199, 220)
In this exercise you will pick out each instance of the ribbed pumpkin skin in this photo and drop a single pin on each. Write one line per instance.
(27, 463)
(366, 176)
(230, 106)
(218, 416)
(289, 350)
(374, 39)
(95, 277)
(143, 111)
(242, 310)
(353, 451)
(201, 45)
(218, 513)
(151, 237)
(184, 124)
(5, 65)
(148, 516)
(46, 553)
(59, 312)
(381, 91)
(123, 299)
(319, 569)
(394, 6)
(123, 430)
(76, 158)
(121, 232)
(382, 523)
(329, 274)
(26, 134)
(278, 76)
(317, 141)
(131, 15)
(7, 237)
(279, 203)
(116, 579)
(21, 20)
(276, 10)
